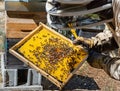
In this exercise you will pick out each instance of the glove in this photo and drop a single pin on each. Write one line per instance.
(85, 42)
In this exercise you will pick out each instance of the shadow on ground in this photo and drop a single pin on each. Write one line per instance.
(76, 82)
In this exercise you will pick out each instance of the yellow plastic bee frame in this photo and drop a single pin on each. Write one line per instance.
(51, 54)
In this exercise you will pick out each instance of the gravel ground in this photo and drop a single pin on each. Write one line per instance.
(86, 78)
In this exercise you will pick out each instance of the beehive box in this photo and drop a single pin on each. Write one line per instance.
(50, 53)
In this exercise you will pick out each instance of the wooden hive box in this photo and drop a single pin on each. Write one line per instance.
(19, 24)
(51, 54)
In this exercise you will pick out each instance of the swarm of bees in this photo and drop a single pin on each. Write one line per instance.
(55, 50)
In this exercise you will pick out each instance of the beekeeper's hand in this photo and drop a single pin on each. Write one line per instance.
(85, 42)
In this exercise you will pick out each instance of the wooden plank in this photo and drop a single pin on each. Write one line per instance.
(19, 28)
(19, 24)
(30, 15)
(25, 6)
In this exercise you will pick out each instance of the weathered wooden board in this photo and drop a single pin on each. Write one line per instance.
(19, 24)
(25, 6)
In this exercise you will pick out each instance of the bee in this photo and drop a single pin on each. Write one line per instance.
(34, 38)
(48, 34)
(45, 40)
(30, 50)
(23, 52)
(44, 36)
(37, 64)
(31, 45)
(61, 77)
(38, 48)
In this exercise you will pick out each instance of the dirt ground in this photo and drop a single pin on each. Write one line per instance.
(87, 78)
(98, 76)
